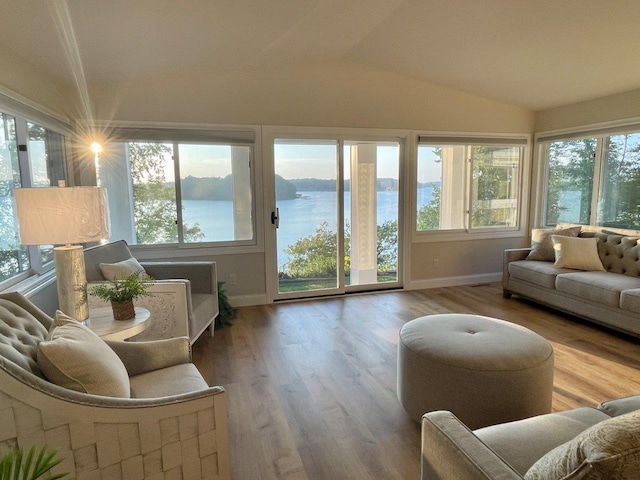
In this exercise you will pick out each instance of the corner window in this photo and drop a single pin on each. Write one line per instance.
(579, 170)
(467, 187)
(180, 191)
(40, 164)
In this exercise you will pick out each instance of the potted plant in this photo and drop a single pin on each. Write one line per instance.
(121, 293)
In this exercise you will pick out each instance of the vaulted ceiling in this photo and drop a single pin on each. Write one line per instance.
(532, 53)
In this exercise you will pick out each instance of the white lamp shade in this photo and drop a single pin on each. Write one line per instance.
(52, 216)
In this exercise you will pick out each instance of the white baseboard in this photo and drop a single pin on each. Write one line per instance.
(261, 299)
(248, 300)
(455, 281)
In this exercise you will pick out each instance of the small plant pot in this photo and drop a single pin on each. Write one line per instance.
(123, 310)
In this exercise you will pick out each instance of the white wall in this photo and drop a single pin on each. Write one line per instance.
(605, 109)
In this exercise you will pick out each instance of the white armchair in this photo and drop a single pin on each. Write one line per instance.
(184, 300)
(175, 427)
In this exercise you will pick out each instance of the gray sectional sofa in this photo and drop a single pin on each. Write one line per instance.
(610, 297)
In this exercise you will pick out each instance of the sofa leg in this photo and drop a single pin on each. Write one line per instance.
(506, 293)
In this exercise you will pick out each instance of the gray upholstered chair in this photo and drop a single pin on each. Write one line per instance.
(184, 299)
(175, 427)
(604, 440)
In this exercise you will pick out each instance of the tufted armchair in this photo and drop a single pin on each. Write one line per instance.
(184, 299)
(174, 426)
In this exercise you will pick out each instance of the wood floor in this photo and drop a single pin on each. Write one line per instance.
(312, 385)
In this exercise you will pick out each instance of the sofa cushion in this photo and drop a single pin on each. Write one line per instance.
(183, 378)
(538, 435)
(630, 300)
(609, 449)
(539, 273)
(74, 357)
(601, 287)
(542, 245)
(577, 253)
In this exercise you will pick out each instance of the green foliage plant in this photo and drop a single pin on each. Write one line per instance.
(127, 288)
(226, 313)
(15, 466)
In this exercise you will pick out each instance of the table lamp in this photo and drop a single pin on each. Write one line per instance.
(65, 215)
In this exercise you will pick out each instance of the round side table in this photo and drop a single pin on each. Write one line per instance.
(102, 323)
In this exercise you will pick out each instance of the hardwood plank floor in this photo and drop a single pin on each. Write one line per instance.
(312, 385)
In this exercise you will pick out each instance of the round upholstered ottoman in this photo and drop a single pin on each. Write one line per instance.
(486, 371)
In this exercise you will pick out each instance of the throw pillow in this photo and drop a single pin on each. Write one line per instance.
(74, 357)
(609, 449)
(577, 253)
(542, 245)
(119, 270)
(61, 318)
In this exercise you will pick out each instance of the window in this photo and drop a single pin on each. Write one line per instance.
(41, 164)
(468, 186)
(606, 168)
(190, 191)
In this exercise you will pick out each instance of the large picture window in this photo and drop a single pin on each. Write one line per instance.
(579, 170)
(468, 186)
(180, 191)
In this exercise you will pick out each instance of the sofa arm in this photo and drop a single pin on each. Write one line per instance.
(202, 275)
(451, 450)
(513, 254)
(620, 406)
(143, 357)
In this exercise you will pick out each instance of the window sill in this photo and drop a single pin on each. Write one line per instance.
(457, 236)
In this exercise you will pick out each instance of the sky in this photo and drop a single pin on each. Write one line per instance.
(312, 159)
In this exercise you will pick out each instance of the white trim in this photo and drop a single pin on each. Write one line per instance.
(248, 300)
(455, 281)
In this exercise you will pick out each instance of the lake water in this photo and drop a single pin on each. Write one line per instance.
(299, 217)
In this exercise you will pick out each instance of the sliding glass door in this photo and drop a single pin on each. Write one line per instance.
(336, 215)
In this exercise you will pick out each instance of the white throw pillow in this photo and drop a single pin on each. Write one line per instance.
(120, 270)
(74, 357)
(577, 253)
(607, 450)
(61, 318)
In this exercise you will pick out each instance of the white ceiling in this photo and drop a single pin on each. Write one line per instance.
(532, 53)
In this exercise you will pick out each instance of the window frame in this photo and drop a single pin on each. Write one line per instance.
(597, 132)
(227, 135)
(50, 125)
(471, 140)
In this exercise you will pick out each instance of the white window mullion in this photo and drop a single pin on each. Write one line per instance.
(178, 191)
(598, 168)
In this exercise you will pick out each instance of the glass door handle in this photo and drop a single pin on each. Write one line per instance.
(275, 218)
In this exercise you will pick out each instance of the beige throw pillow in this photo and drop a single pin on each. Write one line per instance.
(607, 450)
(542, 245)
(577, 253)
(61, 318)
(74, 357)
(120, 270)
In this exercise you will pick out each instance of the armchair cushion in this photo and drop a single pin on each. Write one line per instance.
(609, 449)
(168, 381)
(74, 357)
(119, 270)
